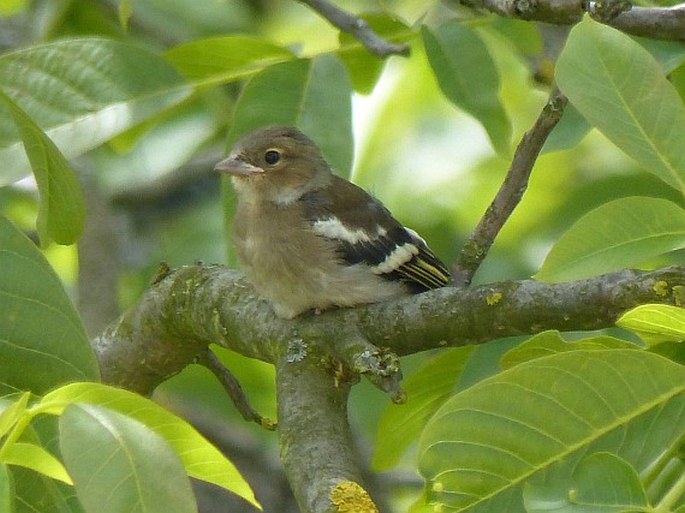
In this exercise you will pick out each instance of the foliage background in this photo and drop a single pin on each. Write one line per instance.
(152, 196)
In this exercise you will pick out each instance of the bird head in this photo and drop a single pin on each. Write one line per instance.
(276, 164)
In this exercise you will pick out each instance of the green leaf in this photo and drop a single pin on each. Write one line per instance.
(570, 130)
(200, 458)
(36, 458)
(618, 234)
(363, 66)
(601, 483)
(6, 489)
(551, 342)
(655, 323)
(61, 212)
(621, 89)
(669, 54)
(11, 412)
(10, 7)
(534, 422)
(427, 389)
(313, 95)
(118, 464)
(44, 343)
(468, 77)
(89, 102)
(224, 59)
(125, 11)
(36, 493)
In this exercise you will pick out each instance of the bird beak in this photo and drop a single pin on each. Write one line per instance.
(237, 167)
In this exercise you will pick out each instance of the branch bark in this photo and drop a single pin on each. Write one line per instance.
(510, 192)
(666, 23)
(319, 357)
(358, 28)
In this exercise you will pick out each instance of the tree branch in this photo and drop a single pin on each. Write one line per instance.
(232, 387)
(319, 357)
(655, 22)
(178, 317)
(358, 28)
(510, 192)
(316, 445)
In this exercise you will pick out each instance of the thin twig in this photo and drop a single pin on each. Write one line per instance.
(510, 192)
(357, 27)
(232, 386)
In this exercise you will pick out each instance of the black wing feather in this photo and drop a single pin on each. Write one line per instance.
(421, 272)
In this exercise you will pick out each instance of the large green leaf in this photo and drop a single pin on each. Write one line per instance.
(427, 390)
(621, 89)
(534, 422)
(223, 59)
(42, 341)
(618, 234)
(201, 459)
(62, 211)
(118, 464)
(601, 483)
(314, 95)
(81, 92)
(468, 77)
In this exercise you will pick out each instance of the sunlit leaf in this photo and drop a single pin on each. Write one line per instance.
(76, 100)
(11, 411)
(41, 331)
(200, 458)
(61, 213)
(534, 422)
(655, 323)
(618, 234)
(126, 467)
(551, 342)
(224, 59)
(36, 458)
(10, 7)
(621, 89)
(468, 77)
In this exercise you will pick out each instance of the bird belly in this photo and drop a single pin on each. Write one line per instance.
(300, 275)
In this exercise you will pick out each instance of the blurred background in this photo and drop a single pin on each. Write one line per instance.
(152, 195)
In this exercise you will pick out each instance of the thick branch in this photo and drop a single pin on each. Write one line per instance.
(358, 28)
(316, 445)
(181, 315)
(510, 192)
(656, 22)
(319, 357)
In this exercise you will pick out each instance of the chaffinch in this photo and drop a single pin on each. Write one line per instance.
(308, 239)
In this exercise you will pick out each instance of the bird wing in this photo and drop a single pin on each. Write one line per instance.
(364, 231)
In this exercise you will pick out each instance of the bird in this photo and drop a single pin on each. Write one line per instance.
(309, 240)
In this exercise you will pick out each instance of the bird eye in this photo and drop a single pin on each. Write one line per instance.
(272, 157)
